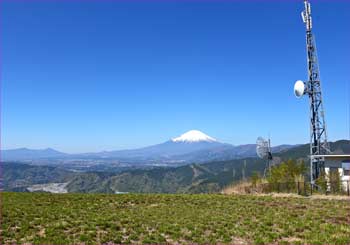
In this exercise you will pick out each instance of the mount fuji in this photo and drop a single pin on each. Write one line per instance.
(174, 149)
(193, 136)
(192, 146)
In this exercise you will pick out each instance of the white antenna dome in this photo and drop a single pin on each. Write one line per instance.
(299, 88)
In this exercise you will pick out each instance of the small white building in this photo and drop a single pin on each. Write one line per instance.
(343, 169)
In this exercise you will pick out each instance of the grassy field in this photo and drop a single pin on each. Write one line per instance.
(134, 218)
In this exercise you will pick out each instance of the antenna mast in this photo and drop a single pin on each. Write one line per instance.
(318, 135)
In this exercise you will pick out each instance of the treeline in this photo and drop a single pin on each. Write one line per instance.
(287, 172)
(290, 176)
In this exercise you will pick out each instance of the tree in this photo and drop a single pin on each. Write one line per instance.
(287, 173)
(255, 178)
(335, 181)
(321, 181)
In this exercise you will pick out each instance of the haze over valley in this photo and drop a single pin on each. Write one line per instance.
(191, 147)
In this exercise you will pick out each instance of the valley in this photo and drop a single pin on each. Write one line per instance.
(209, 177)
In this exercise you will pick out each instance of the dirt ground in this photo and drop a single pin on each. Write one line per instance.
(241, 189)
(317, 196)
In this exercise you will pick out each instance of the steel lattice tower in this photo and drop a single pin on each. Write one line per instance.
(318, 132)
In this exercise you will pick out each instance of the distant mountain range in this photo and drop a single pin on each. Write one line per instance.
(30, 154)
(192, 146)
(191, 178)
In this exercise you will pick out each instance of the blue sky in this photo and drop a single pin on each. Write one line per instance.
(89, 76)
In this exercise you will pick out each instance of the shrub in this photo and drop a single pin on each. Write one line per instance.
(284, 177)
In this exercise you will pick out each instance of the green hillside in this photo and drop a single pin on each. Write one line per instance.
(42, 218)
(17, 176)
(302, 151)
(195, 178)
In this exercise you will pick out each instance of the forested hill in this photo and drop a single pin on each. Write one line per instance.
(194, 178)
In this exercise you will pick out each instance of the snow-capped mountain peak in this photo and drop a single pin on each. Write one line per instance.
(193, 136)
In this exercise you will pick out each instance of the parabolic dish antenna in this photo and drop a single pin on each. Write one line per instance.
(262, 148)
(299, 88)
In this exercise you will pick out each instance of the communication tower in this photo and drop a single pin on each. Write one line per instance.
(312, 87)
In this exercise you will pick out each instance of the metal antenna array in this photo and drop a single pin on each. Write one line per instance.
(263, 150)
(318, 135)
